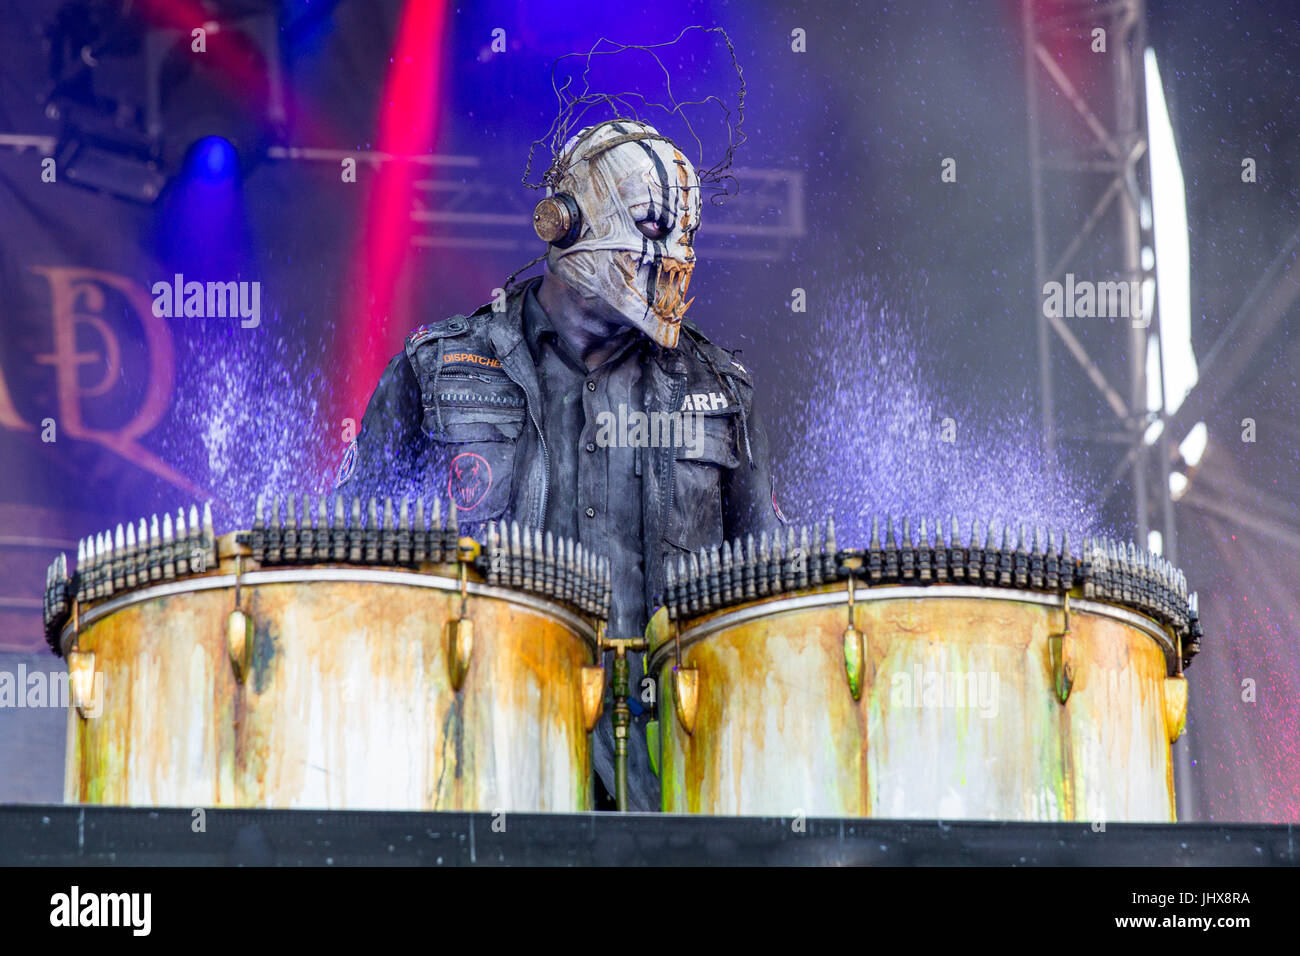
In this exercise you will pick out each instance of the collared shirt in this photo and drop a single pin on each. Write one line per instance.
(595, 483)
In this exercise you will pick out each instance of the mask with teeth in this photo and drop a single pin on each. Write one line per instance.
(639, 198)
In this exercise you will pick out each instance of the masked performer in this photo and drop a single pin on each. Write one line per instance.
(514, 413)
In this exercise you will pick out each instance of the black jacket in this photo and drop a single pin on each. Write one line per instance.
(458, 414)
(467, 385)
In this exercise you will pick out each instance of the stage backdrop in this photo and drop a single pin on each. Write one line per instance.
(919, 297)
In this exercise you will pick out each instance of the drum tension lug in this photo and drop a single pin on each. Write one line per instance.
(593, 695)
(81, 681)
(686, 687)
(1175, 697)
(855, 649)
(239, 631)
(460, 637)
(686, 695)
(1062, 670)
(653, 744)
(592, 686)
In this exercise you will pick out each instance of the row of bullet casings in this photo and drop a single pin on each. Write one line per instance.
(558, 568)
(413, 536)
(1107, 570)
(743, 570)
(115, 561)
(332, 537)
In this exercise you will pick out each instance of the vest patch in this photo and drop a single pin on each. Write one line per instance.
(703, 401)
(470, 358)
(348, 464)
(468, 480)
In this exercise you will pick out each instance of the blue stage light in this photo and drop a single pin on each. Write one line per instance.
(214, 158)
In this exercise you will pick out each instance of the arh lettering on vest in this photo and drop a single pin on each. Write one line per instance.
(703, 401)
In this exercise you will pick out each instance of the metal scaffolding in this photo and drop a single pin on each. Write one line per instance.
(1091, 203)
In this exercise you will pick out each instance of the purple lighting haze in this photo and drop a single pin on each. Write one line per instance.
(866, 433)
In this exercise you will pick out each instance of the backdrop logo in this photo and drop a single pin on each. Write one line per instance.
(78, 304)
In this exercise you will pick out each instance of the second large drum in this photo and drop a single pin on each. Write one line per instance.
(993, 696)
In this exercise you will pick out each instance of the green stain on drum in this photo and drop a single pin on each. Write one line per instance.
(652, 743)
(264, 651)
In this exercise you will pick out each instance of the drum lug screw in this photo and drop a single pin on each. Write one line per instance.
(686, 695)
(592, 684)
(593, 695)
(1175, 697)
(854, 660)
(1175, 700)
(1062, 670)
(460, 646)
(239, 642)
(653, 744)
(855, 650)
(460, 638)
(81, 679)
(239, 631)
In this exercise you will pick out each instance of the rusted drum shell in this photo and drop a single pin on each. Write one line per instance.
(778, 732)
(347, 703)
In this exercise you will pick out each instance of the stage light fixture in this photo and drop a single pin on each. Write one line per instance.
(139, 104)
(231, 91)
(213, 159)
(114, 167)
(95, 94)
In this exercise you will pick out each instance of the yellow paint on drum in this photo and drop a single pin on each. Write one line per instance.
(958, 717)
(348, 703)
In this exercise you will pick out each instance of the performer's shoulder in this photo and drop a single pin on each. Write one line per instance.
(727, 360)
(449, 327)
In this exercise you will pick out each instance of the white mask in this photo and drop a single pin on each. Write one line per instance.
(640, 206)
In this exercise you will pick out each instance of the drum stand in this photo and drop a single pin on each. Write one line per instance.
(622, 714)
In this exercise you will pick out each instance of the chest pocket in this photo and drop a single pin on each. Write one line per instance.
(708, 452)
(478, 418)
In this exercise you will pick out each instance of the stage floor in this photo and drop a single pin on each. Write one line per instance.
(125, 836)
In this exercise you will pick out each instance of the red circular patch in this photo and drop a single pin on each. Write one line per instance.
(468, 480)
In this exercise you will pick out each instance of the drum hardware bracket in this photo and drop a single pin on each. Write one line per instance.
(855, 651)
(1062, 670)
(239, 631)
(1175, 696)
(653, 743)
(467, 550)
(686, 682)
(686, 695)
(81, 681)
(77, 660)
(593, 695)
(460, 631)
(592, 684)
(622, 714)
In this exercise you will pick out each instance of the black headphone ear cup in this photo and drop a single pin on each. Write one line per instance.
(557, 220)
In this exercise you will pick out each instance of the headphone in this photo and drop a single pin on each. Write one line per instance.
(557, 218)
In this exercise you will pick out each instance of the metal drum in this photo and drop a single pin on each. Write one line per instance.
(371, 665)
(924, 679)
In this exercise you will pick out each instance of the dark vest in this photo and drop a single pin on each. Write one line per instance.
(479, 396)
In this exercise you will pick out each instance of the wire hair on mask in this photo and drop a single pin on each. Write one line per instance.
(629, 105)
